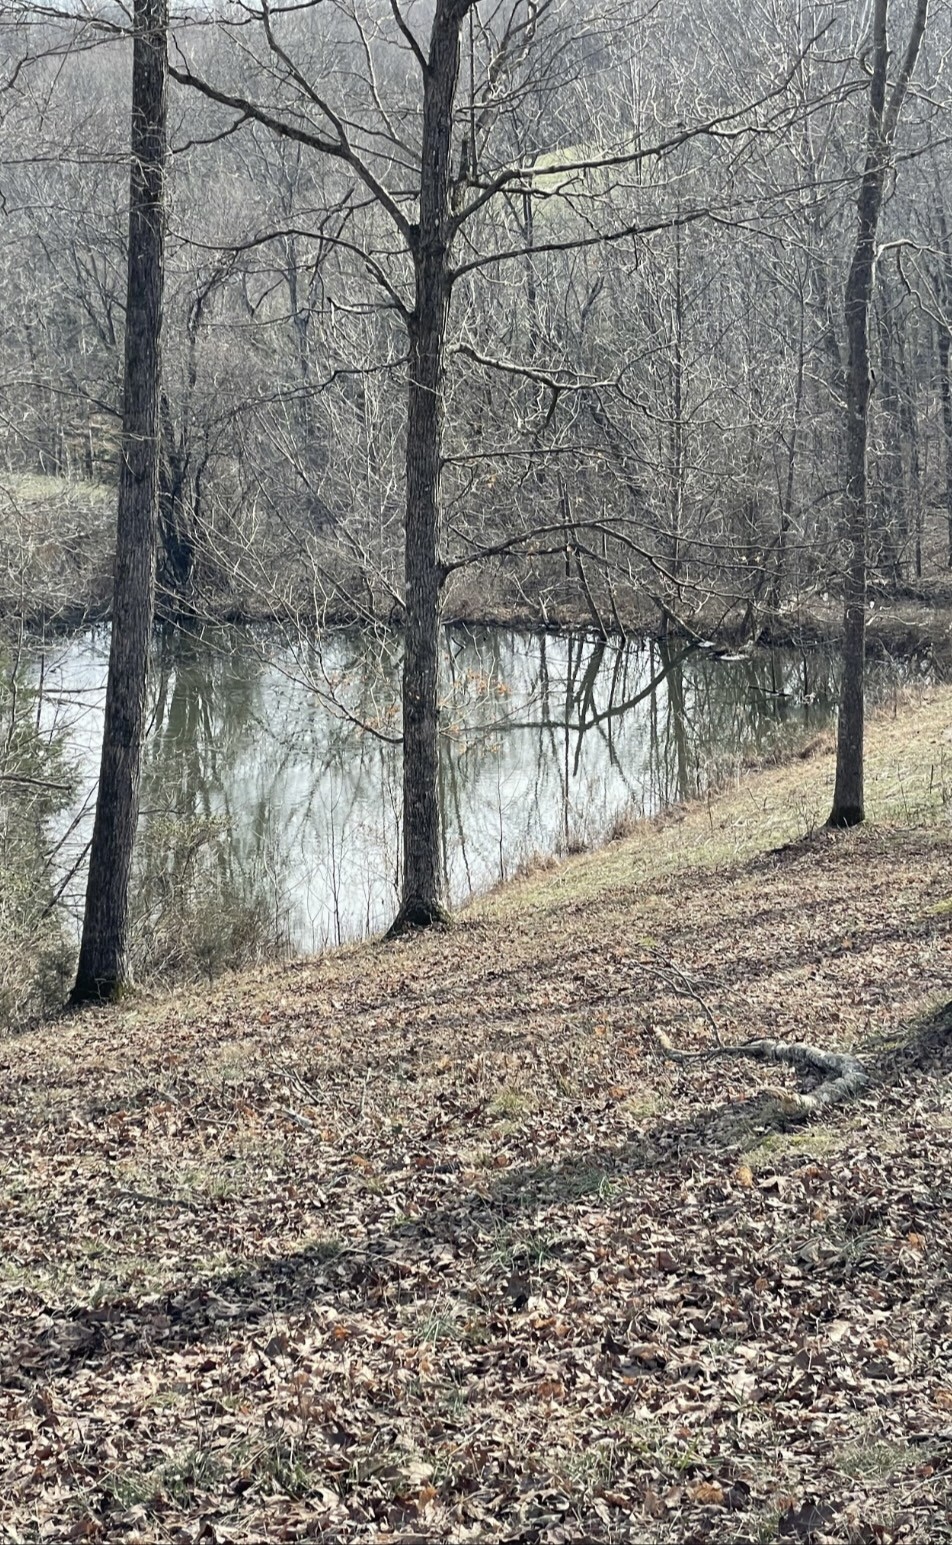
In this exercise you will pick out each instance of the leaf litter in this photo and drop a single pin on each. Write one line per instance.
(425, 1241)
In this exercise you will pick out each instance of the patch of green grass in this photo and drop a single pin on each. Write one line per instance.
(437, 1322)
(568, 1181)
(180, 1478)
(877, 1461)
(650, 1442)
(585, 1180)
(814, 1143)
(451, 1401)
(519, 1249)
(510, 1101)
(644, 1105)
(597, 1464)
(283, 1465)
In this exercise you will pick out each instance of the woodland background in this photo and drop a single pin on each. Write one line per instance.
(649, 356)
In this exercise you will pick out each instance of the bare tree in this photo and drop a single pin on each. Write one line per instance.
(462, 205)
(103, 965)
(885, 106)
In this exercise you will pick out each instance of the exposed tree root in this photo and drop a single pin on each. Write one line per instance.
(829, 1077)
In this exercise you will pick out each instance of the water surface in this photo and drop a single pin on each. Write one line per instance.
(273, 769)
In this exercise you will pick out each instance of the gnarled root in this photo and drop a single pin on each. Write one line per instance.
(835, 1076)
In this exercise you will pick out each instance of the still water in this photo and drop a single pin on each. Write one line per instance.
(272, 764)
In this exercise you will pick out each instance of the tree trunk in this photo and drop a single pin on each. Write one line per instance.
(103, 964)
(775, 593)
(945, 389)
(176, 538)
(677, 427)
(848, 807)
(890, 525)
(942, 284)
(848, 804)
(421, 901)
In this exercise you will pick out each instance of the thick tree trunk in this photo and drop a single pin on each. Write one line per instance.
(421, 901)
(103, 965)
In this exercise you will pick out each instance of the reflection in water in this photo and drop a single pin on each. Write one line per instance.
(546, 741)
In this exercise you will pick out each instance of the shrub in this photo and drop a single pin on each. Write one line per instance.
(195, 911)
(36, 785)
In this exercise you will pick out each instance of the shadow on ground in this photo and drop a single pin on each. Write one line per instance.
(459, 1241)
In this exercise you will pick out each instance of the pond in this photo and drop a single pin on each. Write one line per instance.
(272, 771)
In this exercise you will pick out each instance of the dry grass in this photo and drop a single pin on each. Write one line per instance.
(908, 781)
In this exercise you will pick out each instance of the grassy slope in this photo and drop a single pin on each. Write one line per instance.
(425, 1241)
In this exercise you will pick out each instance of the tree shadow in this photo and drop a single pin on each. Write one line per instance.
(254, 1298)
(923, 1047)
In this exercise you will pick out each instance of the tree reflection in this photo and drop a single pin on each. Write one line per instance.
(271, 809)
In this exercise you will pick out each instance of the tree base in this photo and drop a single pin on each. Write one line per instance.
(89, 991)
(843, 816)
(415, 914)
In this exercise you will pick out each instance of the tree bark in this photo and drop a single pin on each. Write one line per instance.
(421, 901)
(103, 968)
(176, 539)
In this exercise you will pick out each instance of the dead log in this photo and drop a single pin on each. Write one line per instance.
(831, 1077)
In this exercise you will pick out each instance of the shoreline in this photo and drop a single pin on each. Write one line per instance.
(905, 629)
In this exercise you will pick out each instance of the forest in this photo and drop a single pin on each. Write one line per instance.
(646, 351)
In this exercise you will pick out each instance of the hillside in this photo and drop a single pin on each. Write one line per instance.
(426, 1241)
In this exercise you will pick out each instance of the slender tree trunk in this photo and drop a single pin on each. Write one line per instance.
(890, 529)
(677, 736)
(421, 901)
(103, 964)
(775, 593)
(848, 800)
(945, 390)
(175, 535)
(943, 289)
(848, 804)
(677, 425)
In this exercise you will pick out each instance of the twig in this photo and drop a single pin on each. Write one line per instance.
(692, 993)
(296, 1116)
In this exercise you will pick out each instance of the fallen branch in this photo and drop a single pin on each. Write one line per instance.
(836, 1076)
